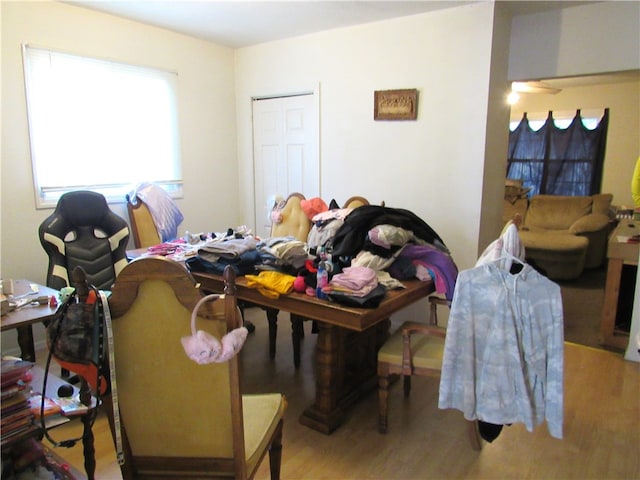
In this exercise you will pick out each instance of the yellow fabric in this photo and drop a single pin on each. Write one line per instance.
(635, 184)
(261, 416)
(271, 284)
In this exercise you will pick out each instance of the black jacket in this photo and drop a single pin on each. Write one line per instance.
(351, 236)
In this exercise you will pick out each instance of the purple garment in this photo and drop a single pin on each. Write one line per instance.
(432, 258)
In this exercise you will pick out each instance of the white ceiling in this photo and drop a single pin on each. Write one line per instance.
(241, 23)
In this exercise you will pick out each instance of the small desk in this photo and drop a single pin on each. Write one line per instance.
(23, 318)
(347, 346)
(618, 253)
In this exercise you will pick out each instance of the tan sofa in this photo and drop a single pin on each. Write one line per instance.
(563, 235)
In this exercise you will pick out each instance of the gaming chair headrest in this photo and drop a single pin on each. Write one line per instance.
(79, 209)
(83, 208)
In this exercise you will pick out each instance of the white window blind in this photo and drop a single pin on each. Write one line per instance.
(99, 125)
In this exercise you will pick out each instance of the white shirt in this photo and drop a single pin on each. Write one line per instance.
(504, 349)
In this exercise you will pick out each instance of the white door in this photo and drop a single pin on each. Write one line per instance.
(285, 152)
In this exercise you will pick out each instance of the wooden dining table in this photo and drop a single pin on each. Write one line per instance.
(23, 318)
(347, 345)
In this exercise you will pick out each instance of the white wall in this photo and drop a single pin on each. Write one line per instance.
(206, 108)
(433, 166)
(594, 38)
(496, 141)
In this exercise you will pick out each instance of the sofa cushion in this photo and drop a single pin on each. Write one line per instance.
(602, 203)
(556, 212)
(589, 223)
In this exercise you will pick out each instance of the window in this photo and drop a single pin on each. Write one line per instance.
(99, 125)
(558, 156)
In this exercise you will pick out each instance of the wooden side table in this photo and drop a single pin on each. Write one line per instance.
(619, 252)
(22, 320)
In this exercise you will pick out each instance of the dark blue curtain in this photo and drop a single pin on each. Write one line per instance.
(558, 161)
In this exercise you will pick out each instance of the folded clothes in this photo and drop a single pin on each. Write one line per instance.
(242, 265)
(355, 278)
(371, 300)
(332, 288)
(232, 248)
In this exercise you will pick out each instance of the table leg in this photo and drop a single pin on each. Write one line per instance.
(25, 341)
(297, 334)
(346, 369)
(325, 415)
(88, 448)
(272, 318)
(610, 306)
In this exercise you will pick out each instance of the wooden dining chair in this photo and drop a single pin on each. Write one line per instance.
(182, 419)
(355, 202)
(143, 228)
(414, 349)
(297, 322)
(292, 221)
(358, 201)
(418, 348)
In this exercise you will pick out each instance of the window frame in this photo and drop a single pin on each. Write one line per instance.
(168, 177)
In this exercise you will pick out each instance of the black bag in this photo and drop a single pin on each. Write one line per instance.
(75, 335)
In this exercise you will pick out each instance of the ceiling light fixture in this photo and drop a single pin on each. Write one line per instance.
(533, 87)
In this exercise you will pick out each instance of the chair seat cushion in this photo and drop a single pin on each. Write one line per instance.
(262, 413)
(557, 242)
(558, 256)
(427, 350)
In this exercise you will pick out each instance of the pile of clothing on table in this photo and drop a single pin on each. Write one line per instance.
(351, 256)
(396, 244)
(271, 265)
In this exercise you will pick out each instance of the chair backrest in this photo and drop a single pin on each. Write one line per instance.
(165, 216)
(294, 221)
(83, 231)
(176, 414)
(145, 233)
(355, 202)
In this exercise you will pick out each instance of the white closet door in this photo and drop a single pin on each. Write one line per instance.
(285, 152)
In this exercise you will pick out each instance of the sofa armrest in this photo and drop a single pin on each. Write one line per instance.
(589, 223)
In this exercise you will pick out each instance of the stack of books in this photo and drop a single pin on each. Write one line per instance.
(16, 415)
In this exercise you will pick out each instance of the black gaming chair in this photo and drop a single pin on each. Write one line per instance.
(83, 231)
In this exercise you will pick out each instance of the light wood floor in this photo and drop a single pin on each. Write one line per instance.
(601, 426)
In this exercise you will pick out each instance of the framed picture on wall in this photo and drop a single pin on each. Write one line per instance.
(395, 104)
